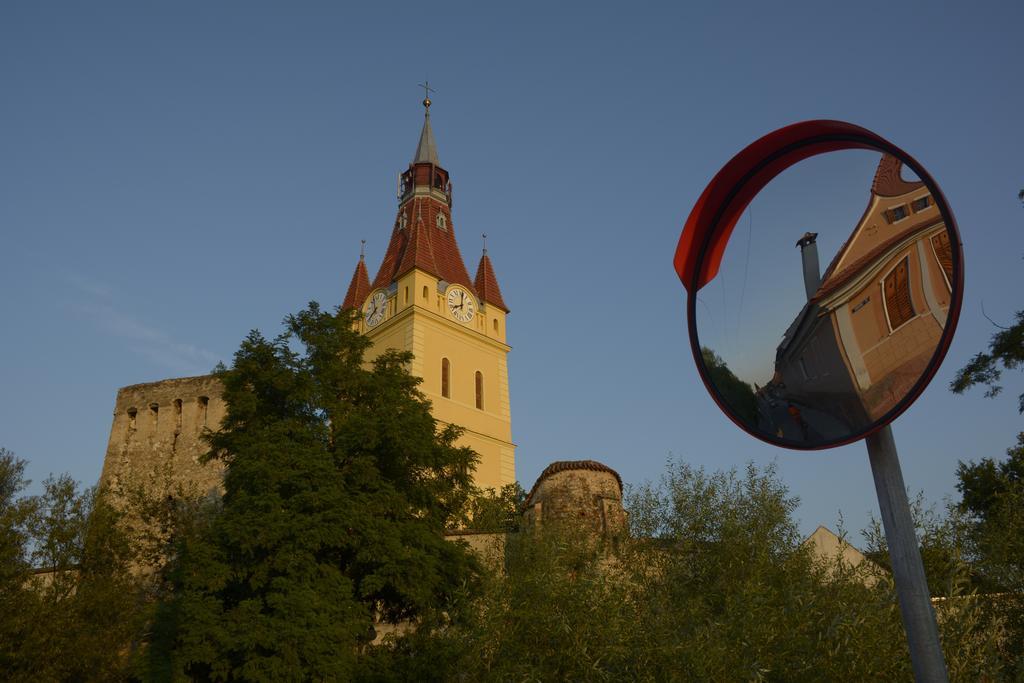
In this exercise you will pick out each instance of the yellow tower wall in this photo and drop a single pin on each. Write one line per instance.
(417, 320)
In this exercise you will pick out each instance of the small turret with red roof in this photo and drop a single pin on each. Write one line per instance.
(486, 282)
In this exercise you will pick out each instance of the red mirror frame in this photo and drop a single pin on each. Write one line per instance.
(711, 221)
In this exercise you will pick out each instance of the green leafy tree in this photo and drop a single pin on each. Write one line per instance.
(737, 596)
(993, 492)
(714, 584)
(1005, 351)
(993, 504)
(501, 511)
(338, 488)
(15, 568)
(735, 391)
(69, 604)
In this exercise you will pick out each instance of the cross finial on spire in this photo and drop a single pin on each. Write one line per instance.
(485, 242)
(362, 249)
(426, 94)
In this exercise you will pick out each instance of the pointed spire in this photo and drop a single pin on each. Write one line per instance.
(359, 287)
(423, 236)
(426, 150)
(486, 283)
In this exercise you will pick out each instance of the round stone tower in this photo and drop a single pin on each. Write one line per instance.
(583, 493)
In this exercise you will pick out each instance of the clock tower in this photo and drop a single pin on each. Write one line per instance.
(422, 300)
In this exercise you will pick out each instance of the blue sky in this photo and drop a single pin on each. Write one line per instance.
(173, 175)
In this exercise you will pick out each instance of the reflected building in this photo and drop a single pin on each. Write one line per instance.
(873, 321)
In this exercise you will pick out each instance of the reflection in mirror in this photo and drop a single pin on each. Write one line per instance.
(809, 356)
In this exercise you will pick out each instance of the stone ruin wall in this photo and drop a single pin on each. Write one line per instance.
(156, 437)
(583, 497)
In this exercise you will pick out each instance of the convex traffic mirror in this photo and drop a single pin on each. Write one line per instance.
(823, 271)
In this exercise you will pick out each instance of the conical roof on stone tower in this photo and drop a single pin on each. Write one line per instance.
(423, 236)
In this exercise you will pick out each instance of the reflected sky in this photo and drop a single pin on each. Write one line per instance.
(832, 301)
(743, 313)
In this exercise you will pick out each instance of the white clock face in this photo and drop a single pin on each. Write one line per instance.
(376, 307)
(461, 303)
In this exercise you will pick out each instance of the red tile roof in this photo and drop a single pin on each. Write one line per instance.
(487, 284)
(424, 245)
(417, 253)
(834, 281)
(888, 180)
(566, 466)
(358, 288)
(887, 183)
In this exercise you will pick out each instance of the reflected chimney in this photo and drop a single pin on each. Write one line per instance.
(809, 255)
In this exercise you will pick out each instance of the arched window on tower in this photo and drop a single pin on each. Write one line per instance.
(479, 390)
(445, 378)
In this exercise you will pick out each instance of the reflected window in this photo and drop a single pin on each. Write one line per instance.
(445, 378)
(898, 306)
(897, 213)
(921, 204)
(944, 255)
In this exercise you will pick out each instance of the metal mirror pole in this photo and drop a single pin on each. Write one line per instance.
(907, 568)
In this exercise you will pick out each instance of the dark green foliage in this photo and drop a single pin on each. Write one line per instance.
(69, 606)
(714, 585)
(502, 511)
(737, 393)
(984, 484)
(1006, 348)
(737, 597)
(337, 492)
(993, 505)
(993, 495)
(942, 542)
